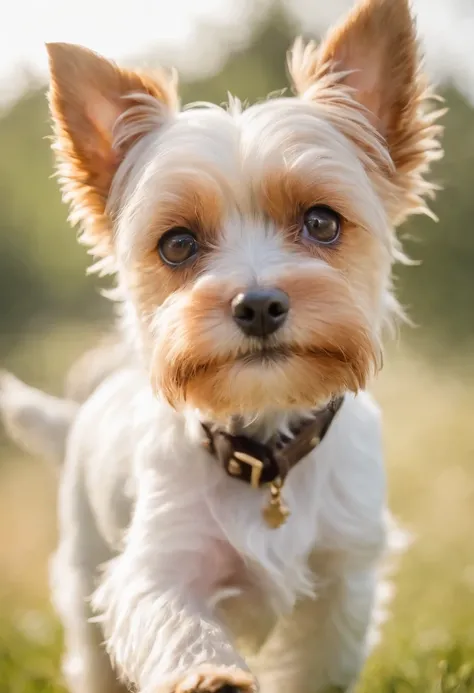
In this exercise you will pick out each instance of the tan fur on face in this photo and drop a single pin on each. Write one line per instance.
(361, 258)
(88, 95)
(202, 359)
(285, 195)
(189, 204)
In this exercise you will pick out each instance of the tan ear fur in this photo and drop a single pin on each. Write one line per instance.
(373, 55)
(88, 97)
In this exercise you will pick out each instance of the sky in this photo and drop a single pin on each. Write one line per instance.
(126, 29)
(119, 29)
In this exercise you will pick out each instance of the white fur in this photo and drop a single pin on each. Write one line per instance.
(195, 536)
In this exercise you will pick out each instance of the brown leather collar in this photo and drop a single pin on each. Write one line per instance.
(259, 464)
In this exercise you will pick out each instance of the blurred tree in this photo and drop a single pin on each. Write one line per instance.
(41, 266)
(440, 291)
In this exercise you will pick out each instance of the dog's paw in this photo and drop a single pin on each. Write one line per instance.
(212, 679)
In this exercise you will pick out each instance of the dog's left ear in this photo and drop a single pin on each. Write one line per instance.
(374, 52)
(99, 112)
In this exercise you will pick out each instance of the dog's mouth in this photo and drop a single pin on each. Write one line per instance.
(270, 354)
(265, 355)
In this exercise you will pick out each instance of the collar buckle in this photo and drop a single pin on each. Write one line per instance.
(256, 466)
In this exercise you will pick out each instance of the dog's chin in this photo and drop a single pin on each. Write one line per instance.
(268, 379)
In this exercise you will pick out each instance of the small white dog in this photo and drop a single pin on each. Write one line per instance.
(223, 494)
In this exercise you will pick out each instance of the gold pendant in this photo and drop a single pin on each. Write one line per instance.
(276, 512)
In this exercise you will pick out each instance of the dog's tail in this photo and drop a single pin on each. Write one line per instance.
(36, 421)
(40, 423)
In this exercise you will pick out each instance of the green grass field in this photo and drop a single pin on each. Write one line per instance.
(428, 641)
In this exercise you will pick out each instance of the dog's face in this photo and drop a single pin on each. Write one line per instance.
(254, 247)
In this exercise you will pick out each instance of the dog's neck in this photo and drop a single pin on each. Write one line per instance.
(264, 426)
(261, 463)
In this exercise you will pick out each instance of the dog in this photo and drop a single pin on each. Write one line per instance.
(222, 503)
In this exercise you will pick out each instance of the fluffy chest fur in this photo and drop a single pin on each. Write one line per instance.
(335, 495)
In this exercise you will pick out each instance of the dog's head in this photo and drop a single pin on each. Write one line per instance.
(254, 247)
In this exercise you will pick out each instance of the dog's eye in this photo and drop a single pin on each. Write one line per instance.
(322, 225)
(177, 246)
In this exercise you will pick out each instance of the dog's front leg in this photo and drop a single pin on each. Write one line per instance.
(153, 603)
(321, 647)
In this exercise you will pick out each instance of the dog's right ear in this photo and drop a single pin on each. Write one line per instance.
(99, 111)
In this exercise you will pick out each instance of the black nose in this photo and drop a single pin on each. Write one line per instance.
(260, 312)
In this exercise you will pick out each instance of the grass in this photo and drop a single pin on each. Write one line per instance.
(29, 654)
(428, 641)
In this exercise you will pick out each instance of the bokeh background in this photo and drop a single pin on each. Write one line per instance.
(50, 312)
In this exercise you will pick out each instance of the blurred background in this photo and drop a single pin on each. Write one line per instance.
(50, 312)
